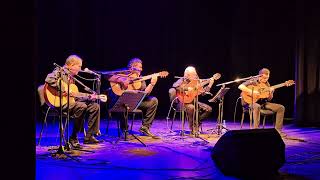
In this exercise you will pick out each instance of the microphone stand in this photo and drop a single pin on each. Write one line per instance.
(219, 96)
(98, 99)
(196, 115)
(112, 72)
(221, 99)
(68, 145)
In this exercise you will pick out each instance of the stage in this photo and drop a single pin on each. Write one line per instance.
(172, 157)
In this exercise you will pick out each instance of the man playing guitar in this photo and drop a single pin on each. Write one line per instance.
(260, 93)
(78, 107)
(134, 81)
(187, 89)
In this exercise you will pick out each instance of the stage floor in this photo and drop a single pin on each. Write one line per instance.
(172, 157)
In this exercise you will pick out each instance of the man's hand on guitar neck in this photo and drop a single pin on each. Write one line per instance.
(154, 80)
(207, 88)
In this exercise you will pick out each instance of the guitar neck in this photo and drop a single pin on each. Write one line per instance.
(279, 85)
(143, 78)
(203, 83)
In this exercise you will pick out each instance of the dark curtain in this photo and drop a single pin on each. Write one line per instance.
(235, 38)
(307, 112)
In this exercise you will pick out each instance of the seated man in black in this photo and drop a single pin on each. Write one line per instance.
(148, 105)
(81, 106)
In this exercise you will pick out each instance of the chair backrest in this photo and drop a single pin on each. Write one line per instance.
(172, 94)
(41, 94)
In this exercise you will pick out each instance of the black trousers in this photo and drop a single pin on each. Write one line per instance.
(149, 108)
(79, 110)
(204, 112)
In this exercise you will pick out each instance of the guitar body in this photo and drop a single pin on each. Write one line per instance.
(190, 92)
(264, 91)
(52, 95)
(194, 88)
(247, 97)
(135, 84)
(118, 90)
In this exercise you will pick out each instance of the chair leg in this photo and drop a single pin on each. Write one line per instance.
(250, 118)
(242, 118)
(173, 118)
(84, 132)
(133, 116)
(264, 120)
(43, 124)
(108, 120)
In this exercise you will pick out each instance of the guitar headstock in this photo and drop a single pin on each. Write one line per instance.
(216, 76)
(163, 74)
(289, 83)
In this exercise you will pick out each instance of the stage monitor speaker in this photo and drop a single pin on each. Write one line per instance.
(251, 152)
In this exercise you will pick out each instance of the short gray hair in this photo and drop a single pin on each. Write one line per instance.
(133, 61)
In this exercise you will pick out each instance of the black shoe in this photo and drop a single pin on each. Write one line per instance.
(75, 143)
(91, 140)
(144, 130)
(123, 127)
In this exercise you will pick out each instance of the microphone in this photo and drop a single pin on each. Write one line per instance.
(55, 64)
(209, 93)
(135, 69)
(90, 71)
(259, 75)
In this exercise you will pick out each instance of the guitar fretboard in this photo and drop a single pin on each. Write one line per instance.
(278, 85)
(145, 77)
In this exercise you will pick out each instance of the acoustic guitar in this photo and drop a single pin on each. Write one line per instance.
(135, 82)
(52, 95)
(194, 88)
(263, 90)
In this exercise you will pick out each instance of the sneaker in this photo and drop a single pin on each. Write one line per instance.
(194, 134)
(98, 134)
(144, 130)
(91, 140)
(75, 143)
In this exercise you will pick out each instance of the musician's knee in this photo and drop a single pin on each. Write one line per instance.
(282, 108)
(189, 108)
(257, 107)
(95, 106)
(154, 101)
(209, 109)
(81, 106)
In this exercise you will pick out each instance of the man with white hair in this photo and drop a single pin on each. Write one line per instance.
(181, 85)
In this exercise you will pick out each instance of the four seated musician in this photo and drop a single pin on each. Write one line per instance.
(262, 99)
(187, 88)
(148, 105)
(79, 107)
